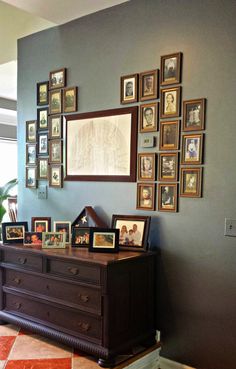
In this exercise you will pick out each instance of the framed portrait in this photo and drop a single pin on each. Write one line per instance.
(42, 168)
(146, 196)
(70, 98)
(31, 177)
(55, 126)
(171, 66)
(149, 114)
(57, 78)
(170, 102)
(41, 224)
(148, 85)
(14, 232)
(129, 89)
(53, 240)
(134, 231)
(146, 166)
(55, 101)
(169, 135)
(80, 237)
(194, 114)
(55, 151)
(102, 146)
(43, 143)
(55, 176)
(191, 182)
(31, 131)
(192, 145)
(42, 118)
(168, 167)
(31, 157)
(104, 240)
(61, 226)
(33, 238)
(167, 197)
(42, 93)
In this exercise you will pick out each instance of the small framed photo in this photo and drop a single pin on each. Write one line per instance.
(134, 231)
(33, 238)
(149, 114)
(170, 102)
(167, 197)
(146, 166)
(70, 98)
(14, 232)
(168, 167)
(194, 115)
(41, 224)
(42, 118)
(42, 93)
(192, 149)
(53, 240)
(80, 237)
(55, 176)
(55, 126)
(55, 151)
(31, 131)
(169, 135)
(42, 168)
(129, 89)
(148, 85)
(171, 66)
(191, 182)
(55, 101)
(64, 227)
(57, 78)
(31, 157)
(146, 196)
(43, 143)
(104, 240)
(31, 177)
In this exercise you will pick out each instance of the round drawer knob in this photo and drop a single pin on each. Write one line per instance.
(84, 326)
(17, 280)
(18, 305)
(83, 298)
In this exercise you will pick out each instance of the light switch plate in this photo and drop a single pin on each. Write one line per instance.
(230, 227)
(147, 141)
(42, 192)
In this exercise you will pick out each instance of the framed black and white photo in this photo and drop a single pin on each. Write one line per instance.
(55, 176)
(146, 166)
(171, 66)
(70, 98)
(42, 143)
(149, 114)
(148, 85)
(146, 193)
(31, 177)
(55, 151)
(192, 147)
(167, 197)
(55, 126)
(42, 168)
(31, 154)
(55, 101)
(194, 114)
(191, 182)
(129, 89)
(42, 93)
(42, 118)
(170, 102)
(169, 135)
(168, 167)
(57, 78)
(31, 131)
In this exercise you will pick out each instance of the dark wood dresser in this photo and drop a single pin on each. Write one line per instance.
(102, 304)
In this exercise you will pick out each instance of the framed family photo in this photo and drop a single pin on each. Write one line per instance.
(192, 147)
(42, 118)
(169, 135)
(53, 240)
(146, 196)
(31, 177)
(33, 238)
(55, 151)
(171, 66)
(134, 231)
(41, 224)
(104, 240)
(55, 101)
(167, 197)
(55, 126)
(80, 237)
(170, 102)
(14, 232)
(148, 85)
(129, 89)
(43, 143)
(168, 167)
(149, 114)
(70, 98)
(57, 78)
(55, 176)
(42, 168)
(63, 227)
(31, 131)
(42, 93)
(146, 166)
(191, 182)
(194, 115)
(31, 154)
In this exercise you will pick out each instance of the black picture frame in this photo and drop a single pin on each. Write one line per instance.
(80, 237)
(17, 230)
(104, 240)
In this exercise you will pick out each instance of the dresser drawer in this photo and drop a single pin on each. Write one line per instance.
(86, 298)
(22, 260)
(76, 271)
(67, 320)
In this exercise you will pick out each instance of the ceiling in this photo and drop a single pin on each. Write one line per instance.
(29, 16)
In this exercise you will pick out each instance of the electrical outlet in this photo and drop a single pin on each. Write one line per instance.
(42, 192)
(230, 227)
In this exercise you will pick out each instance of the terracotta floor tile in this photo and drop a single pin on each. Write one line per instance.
(86, 362)
(39, 364)
(37, 347)
(2, 363)
(5, 346)
(9, 330)
(78, 353)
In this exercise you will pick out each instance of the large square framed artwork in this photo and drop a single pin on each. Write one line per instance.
(146, 196)
(42, 93)
(134, 231)
(194, 115)
(191, 182)
(146, 166)
(192, 147)
(171, 66)
(169, 135)
(148, 85)
(57, 78)
(31, 131)
(170, 102)
(129, 89)
(167, 197)
(148, 117)
(14, 232)
(102, 146)
(168, 167)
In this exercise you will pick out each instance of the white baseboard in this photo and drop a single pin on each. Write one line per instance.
(169, 364)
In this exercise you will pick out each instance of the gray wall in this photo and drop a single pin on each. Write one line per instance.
(196, 269)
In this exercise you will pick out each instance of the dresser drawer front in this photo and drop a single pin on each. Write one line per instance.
(69, 321)
(76, 271)
(85, 298)
(23, 260)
